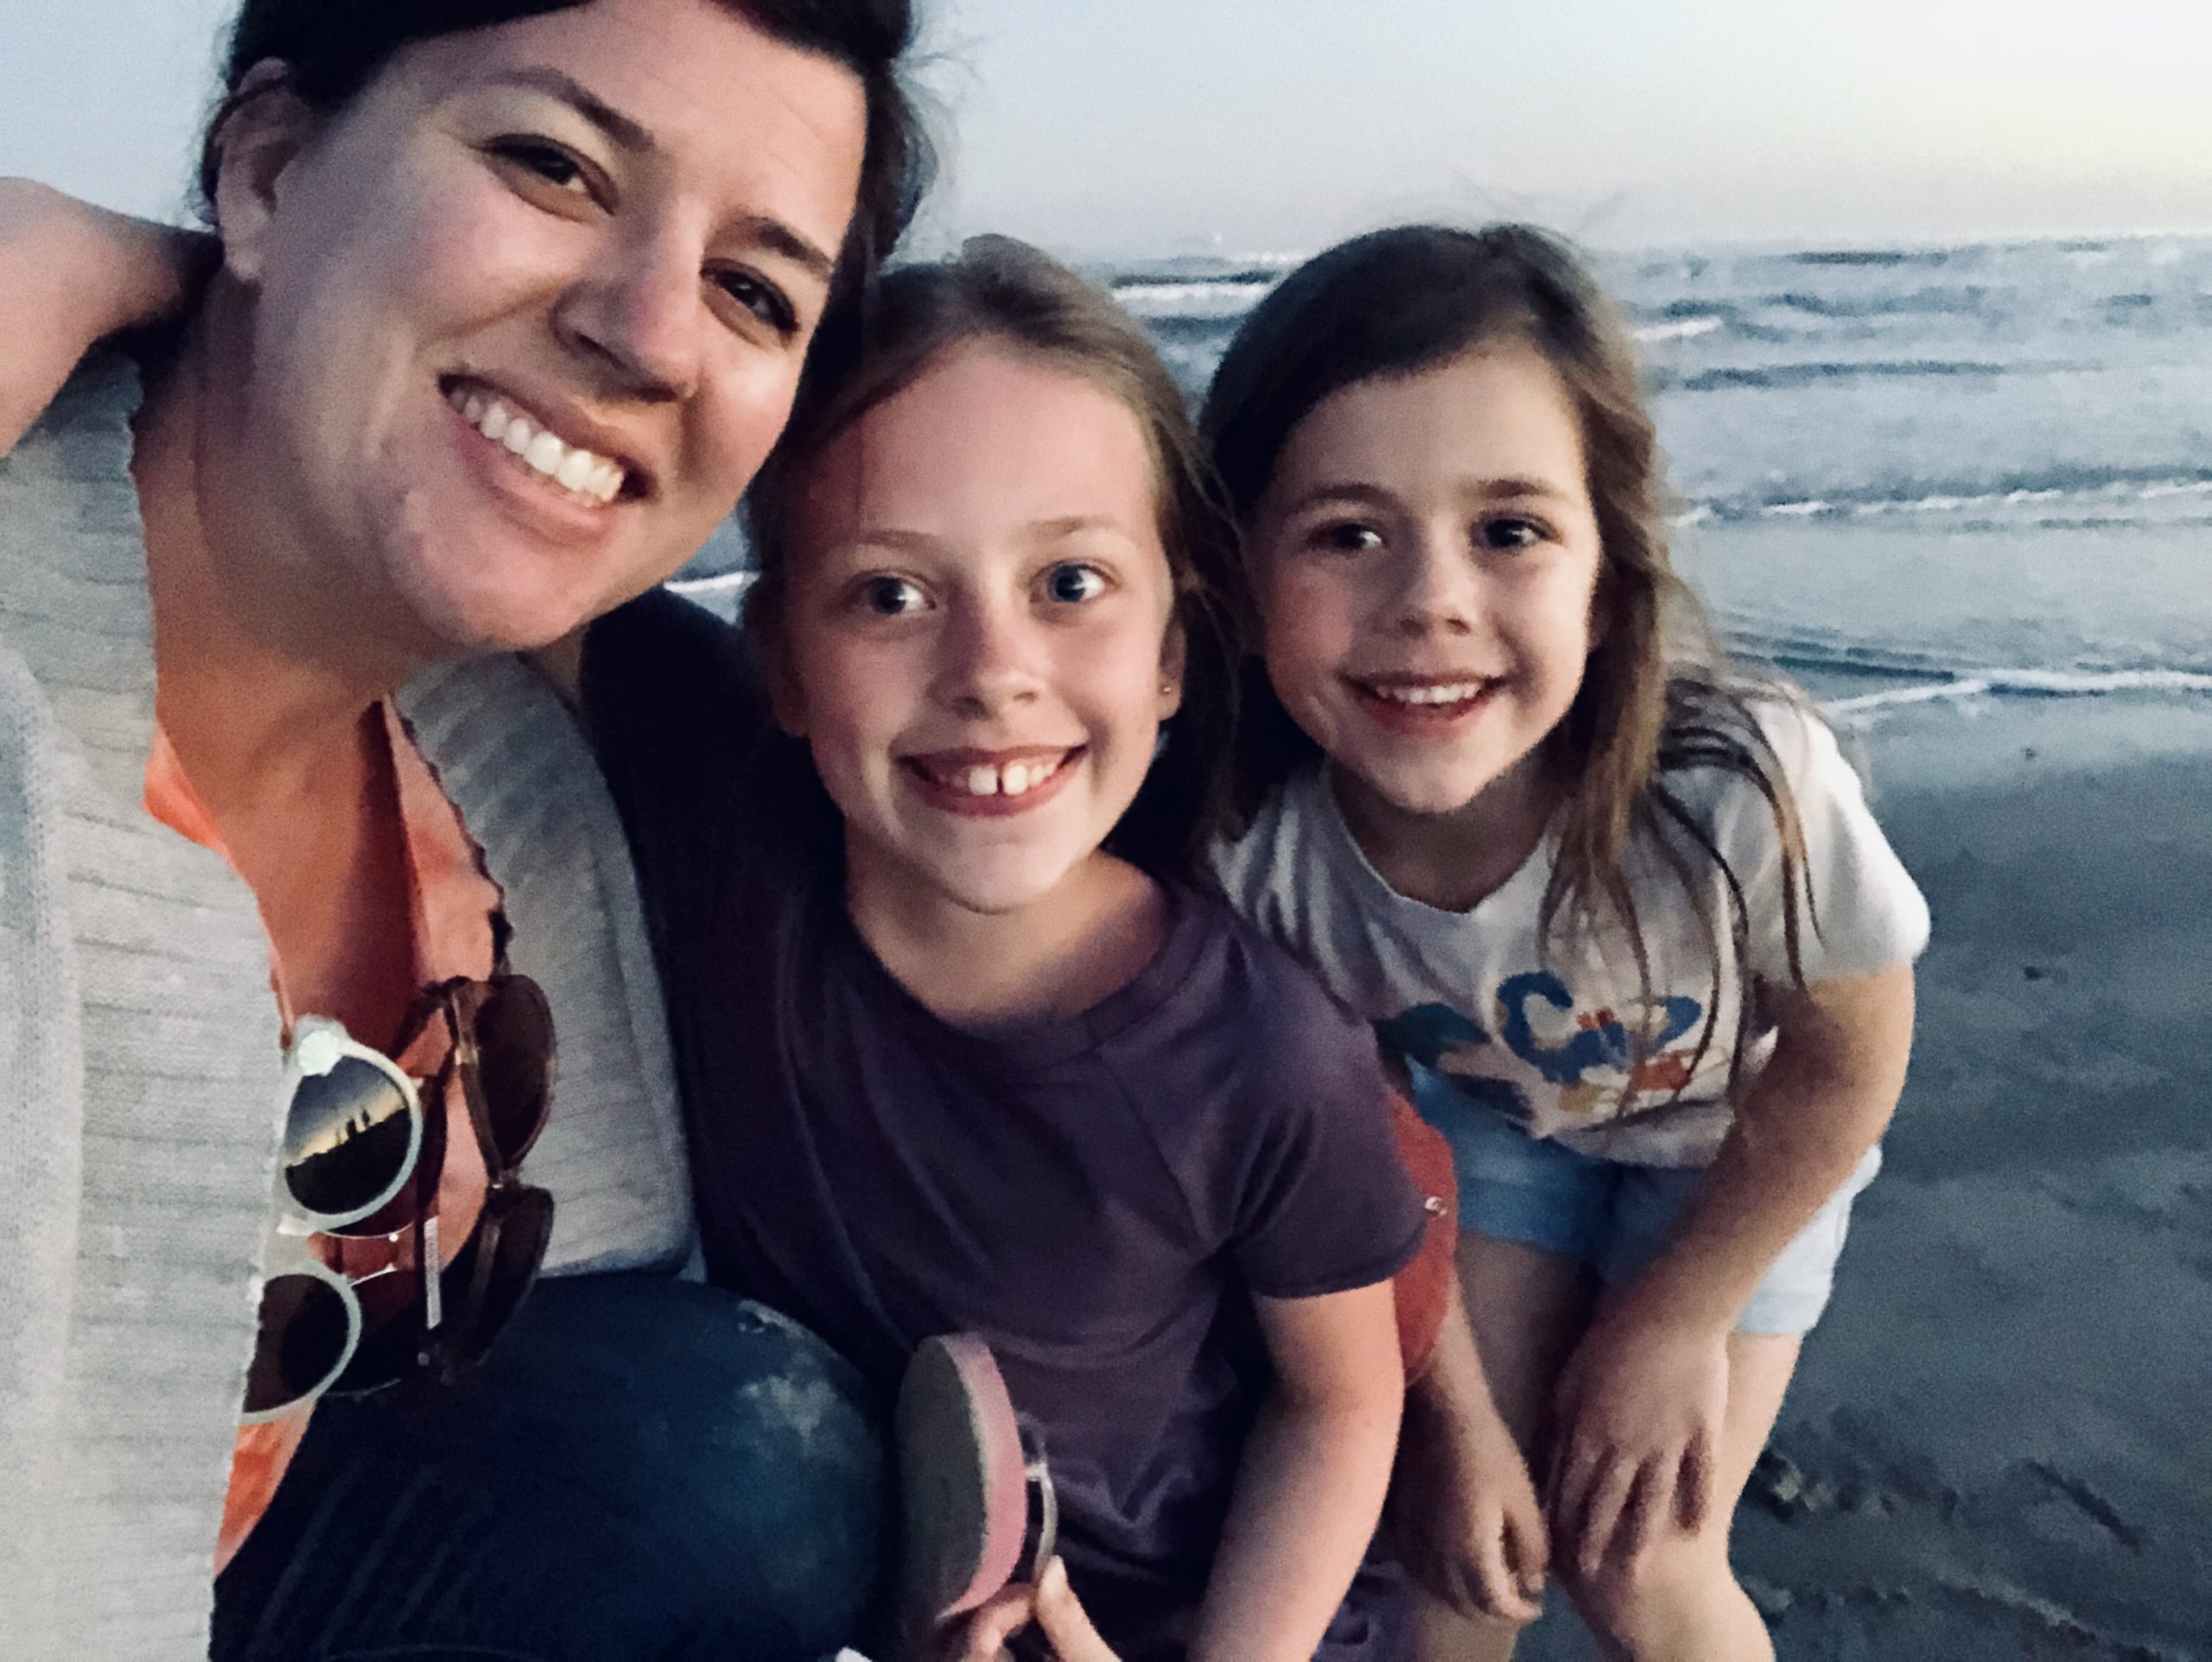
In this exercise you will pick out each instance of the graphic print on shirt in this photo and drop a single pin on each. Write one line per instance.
(1587, 1057)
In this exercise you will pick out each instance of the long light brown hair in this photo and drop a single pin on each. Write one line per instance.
(1658, 696)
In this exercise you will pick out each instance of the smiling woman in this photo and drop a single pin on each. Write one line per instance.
(510, 300)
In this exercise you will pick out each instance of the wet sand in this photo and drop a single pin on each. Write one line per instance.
(1999, 1443)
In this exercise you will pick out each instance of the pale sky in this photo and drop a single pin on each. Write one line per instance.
(1118, 127)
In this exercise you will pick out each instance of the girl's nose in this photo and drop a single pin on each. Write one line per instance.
(990, 660)
(639, 314)
(1439, 584)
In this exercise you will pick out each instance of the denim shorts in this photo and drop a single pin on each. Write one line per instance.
(1613, 1216)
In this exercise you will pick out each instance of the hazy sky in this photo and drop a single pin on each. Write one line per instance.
(1119, 126)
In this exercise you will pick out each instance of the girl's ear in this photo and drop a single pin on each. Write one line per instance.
(785, 702)
(1172, 655)
(262, 134)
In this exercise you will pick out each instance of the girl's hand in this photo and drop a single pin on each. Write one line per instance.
(981, 1635)
(1639, 1412)
(70, 274)
(1467, 1524)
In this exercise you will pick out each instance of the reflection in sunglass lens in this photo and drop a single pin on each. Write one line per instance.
(305, 1328)
(514, 1043)
(348, 1139)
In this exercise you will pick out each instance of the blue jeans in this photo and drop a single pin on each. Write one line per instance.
(644, 1470)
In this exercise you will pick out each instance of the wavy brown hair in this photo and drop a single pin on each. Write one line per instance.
(1658, 696)
(1003, 293)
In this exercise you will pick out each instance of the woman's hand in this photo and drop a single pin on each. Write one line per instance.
(1466, 1521)
(1639, 1411)
(981, 1635)
(70, 274)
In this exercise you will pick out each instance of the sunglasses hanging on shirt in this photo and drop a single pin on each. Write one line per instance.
(362, 1161)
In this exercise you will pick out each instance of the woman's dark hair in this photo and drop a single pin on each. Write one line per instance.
(1005, 294)
(332, 49)
(1657, 693)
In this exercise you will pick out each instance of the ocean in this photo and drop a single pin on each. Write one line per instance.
(1903, 473)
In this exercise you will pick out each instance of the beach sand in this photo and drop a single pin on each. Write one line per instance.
(2000, 1443)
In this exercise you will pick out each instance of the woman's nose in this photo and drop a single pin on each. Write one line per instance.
(639, 314)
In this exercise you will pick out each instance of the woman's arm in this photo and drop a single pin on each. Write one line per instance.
(70, 274)
(1309, 1489)
(1641, 1400)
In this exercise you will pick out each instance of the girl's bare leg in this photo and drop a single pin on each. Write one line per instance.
(1682, 1603)
(1527, 1308)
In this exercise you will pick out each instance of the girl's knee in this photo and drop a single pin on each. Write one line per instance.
(1626, 1598)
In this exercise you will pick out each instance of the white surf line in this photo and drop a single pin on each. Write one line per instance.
(2059, 684)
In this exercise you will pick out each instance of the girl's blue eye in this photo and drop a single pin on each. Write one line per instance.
(1509, 530)
(1073, 584)
(889, 596)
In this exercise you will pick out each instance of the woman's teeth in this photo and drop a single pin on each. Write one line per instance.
(1452, 692)
(1014, 779)
(596, 478)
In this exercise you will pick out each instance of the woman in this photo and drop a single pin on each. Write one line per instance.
(621, 222)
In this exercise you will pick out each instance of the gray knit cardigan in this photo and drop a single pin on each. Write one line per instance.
(139, 1057)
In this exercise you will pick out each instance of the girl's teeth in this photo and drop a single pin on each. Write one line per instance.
(1456, 694)
(1016, 779)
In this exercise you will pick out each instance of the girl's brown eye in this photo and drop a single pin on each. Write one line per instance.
(890, 596)
(1347, 537)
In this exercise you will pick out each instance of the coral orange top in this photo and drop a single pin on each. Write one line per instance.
(454, 902)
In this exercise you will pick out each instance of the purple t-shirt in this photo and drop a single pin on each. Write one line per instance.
(1098, 1197)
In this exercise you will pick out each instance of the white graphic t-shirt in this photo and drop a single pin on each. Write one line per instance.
(1550, 1034)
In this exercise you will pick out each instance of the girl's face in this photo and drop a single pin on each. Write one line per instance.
(1426, 557)
(976, 641)
(528, 312)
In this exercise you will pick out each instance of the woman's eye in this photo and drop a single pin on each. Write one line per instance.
(1346, 537)
(761, 298)
(1073, 584)
(888, 596)
(1509, 530)
(543, 160)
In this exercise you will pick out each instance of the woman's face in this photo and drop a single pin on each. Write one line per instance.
(528, 313)
(977, 639)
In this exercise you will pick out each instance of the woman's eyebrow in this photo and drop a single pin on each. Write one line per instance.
(621, 131)
(628, 134)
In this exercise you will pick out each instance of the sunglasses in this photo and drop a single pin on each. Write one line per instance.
(361, 1162)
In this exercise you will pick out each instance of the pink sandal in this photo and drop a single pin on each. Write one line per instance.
(977, 1507)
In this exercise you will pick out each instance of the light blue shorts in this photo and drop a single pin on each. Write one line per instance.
(1613, 1216)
